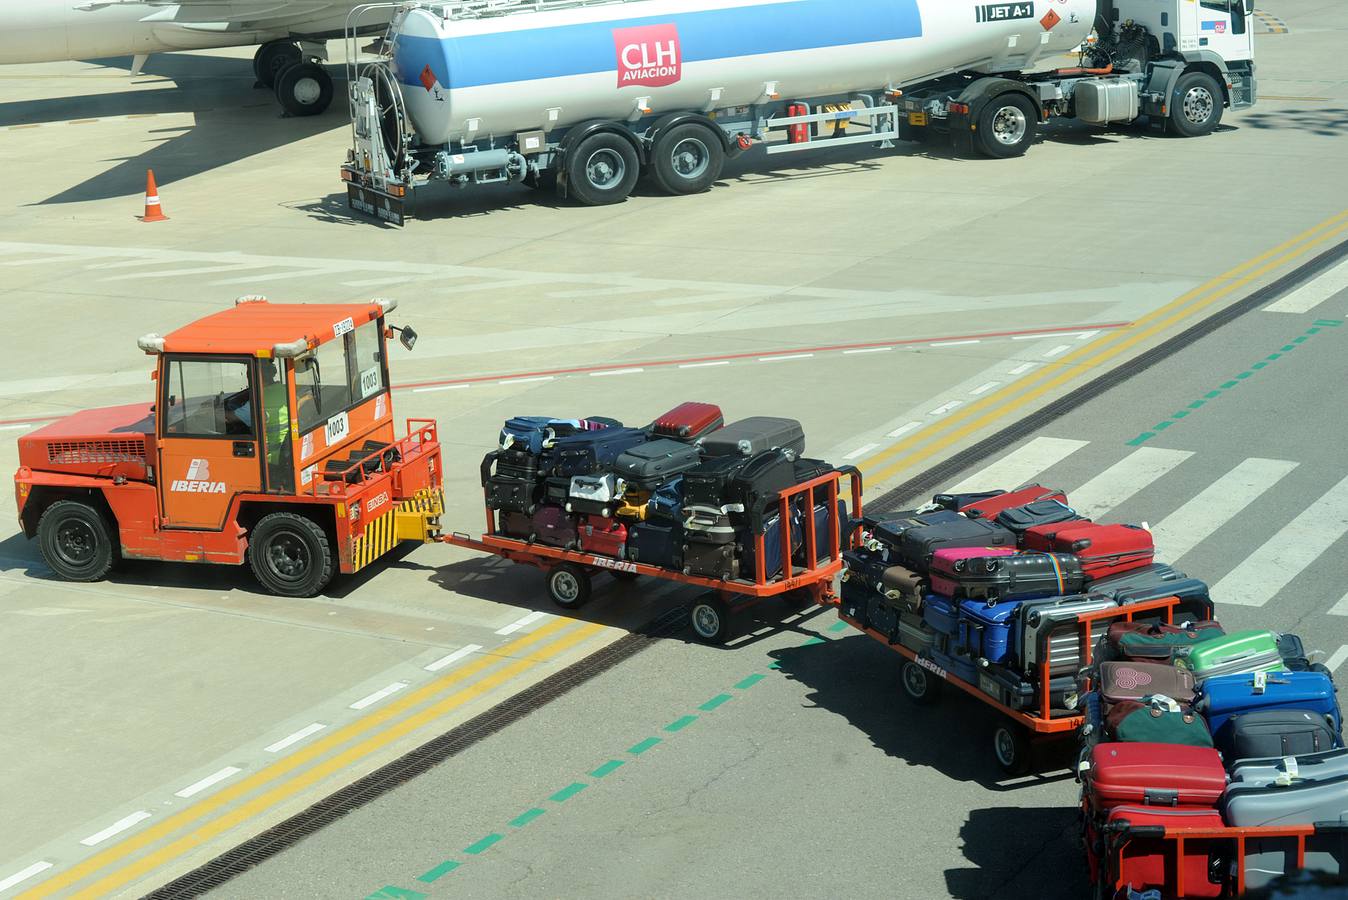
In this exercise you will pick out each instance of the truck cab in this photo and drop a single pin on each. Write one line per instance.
(270, 440)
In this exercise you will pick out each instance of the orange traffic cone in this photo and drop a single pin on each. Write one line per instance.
(153, 211)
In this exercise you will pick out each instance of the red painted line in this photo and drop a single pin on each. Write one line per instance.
(666, 363)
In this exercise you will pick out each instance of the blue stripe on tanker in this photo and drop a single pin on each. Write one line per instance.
(559, 51)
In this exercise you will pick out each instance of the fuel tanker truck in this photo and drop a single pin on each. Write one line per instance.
(586, 96)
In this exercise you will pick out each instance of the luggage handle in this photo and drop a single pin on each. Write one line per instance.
(487, 462)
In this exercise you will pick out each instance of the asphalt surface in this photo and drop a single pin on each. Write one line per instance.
(940, 298)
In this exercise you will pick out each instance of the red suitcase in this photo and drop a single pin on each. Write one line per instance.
(1147, 863)
(607, 537)
(1104, 550)
(1140, 774)
(988, 507)
(689, 421)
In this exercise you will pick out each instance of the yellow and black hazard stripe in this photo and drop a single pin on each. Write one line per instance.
(415, 519)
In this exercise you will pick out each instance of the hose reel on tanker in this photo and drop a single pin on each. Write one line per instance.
(392, 116)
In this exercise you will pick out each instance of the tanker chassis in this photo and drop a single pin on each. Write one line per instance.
(585, 96)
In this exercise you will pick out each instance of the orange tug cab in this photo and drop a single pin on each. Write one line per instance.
(270, 440)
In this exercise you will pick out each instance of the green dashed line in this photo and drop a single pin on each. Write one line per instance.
(568, 792)
(680, 723)
(1259, 365)
(775, 664)
(1328, 323)
(482, 845)
(439, 871)
(391, 892)
(1312, 330)
(1287, 348)
(715, 702)
(1162, 426)
(645, 745)
(1180, 414)
(838, 626)
(812, 641)
(1243, 375)
(1273, 356)
(1142, 438)
(526, 817)
(1301, 340)
(1227, 385)
(1198, 404)
(607, 768)
(750, 681)
(1212, 395)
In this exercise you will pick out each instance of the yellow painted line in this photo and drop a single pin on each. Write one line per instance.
(217, 801)
(896, 458)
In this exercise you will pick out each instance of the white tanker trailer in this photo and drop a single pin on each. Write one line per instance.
(587, 95)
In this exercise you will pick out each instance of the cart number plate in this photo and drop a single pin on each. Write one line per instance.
(919, 118)
(339, 426)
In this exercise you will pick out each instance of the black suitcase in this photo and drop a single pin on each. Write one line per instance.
(1020, 519)
(889, 531)
(753, 435)
(999, 578)
(916, 545)
(656, 544)
(516, 464)
(756, 485)
(807, 469)
(1011, 689)
(883, 615)
(855, 596)
(557, 490)
(589, 452)
(512, 494)
(651, 464)
(710, 560)
(956, 502)
(863, 566)
(1274, 732)
(708, 483)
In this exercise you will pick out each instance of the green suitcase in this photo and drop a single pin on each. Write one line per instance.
(1237, 653)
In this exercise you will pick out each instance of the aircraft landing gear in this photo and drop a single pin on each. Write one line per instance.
(295, 73)
(271, 58)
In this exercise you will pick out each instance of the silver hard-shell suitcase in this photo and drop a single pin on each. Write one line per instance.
(1299, 803)
(1306, 767)
(1057, 615)
(753, 435)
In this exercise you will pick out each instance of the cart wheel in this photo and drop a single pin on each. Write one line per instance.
(1011, 744)
(921, 686)
(711, 619)
(569, 586)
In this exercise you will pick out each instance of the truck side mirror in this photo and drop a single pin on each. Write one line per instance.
(407, 336)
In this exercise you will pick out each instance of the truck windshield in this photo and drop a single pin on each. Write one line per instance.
(342, 374)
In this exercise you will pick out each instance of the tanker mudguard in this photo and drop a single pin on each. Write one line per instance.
(983, 90)
(580, 131)
(674, 120)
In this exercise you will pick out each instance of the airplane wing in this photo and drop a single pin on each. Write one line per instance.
(237, 15)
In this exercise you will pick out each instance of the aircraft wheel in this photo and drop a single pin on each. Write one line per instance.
(272, 58)
(304, 89)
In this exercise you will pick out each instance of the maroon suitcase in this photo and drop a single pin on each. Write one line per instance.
(555, 527)
(1135, 680)
(1149, 862)
(988, 507)
(1104, 550)
(689, 421)
(607, 537)
(1142, 774)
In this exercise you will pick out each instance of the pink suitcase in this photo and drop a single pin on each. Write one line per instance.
(943, 567)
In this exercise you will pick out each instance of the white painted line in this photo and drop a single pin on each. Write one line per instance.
(616, 372)
(1087, 335)
(861, 451)
(1124, 479)
(789, 356)
(1038, 336)
(378, 282)
(295, 738)
(1217, 504)
(24, 874)
(14, 427)
(867, 350)
(173, 273)
(1314, 292)
(379, 695)
(952, 343)
(904, 429)
(1340, 608)
(942, 410)
(1020, 465)
(452, 658)
(440, 387)
(282, 276)
(1337, 658)
(520, 623)
(984, 388)
(120, 825)
(1299, 543)
(1058, 351)
(525, 380)
(198, 787)
(703, 365)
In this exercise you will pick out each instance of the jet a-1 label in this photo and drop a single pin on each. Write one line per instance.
(1000, 12)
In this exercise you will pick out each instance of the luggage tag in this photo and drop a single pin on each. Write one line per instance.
(1289, 773)
(1161, 704)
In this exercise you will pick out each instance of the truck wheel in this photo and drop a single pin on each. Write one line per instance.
(602, 169)
(272, 58)
(1196, 105)
(1011, 746)
(710, 618)
(290, 555)
(569, 586)
(304, 89)
(920, 686)
(76, 541)
(688, 159)
(1007, 126)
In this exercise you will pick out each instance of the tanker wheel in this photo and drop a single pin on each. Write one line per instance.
(1195, 105)
(76, 541)
(569, 586)
(291, 555)
(1007, 126)
(273, 58)
(710, 619)
(1011, 746)
(687, 159)
(304, 89)
(602, 169)
(919, 685)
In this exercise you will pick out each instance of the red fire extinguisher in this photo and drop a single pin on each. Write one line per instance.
(797, 134)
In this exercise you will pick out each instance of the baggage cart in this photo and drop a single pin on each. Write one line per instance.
(808, 572)
(1015, 734)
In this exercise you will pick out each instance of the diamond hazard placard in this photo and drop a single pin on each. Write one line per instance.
(428, 78)
(1050, 19)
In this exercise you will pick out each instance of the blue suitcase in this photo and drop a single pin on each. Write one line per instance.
(656, 544)
(941, 614)
(772, 546)
(531, 433)
(985, 631)
(1223, 696)
(821, 533)
(590, 452)
(667, 501)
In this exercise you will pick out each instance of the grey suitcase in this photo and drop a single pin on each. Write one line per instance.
(753, 435)
(1056, 617)
(652, 464)
(1288, 769)
(915, 634)
(1275, 732)
(1299, 803)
